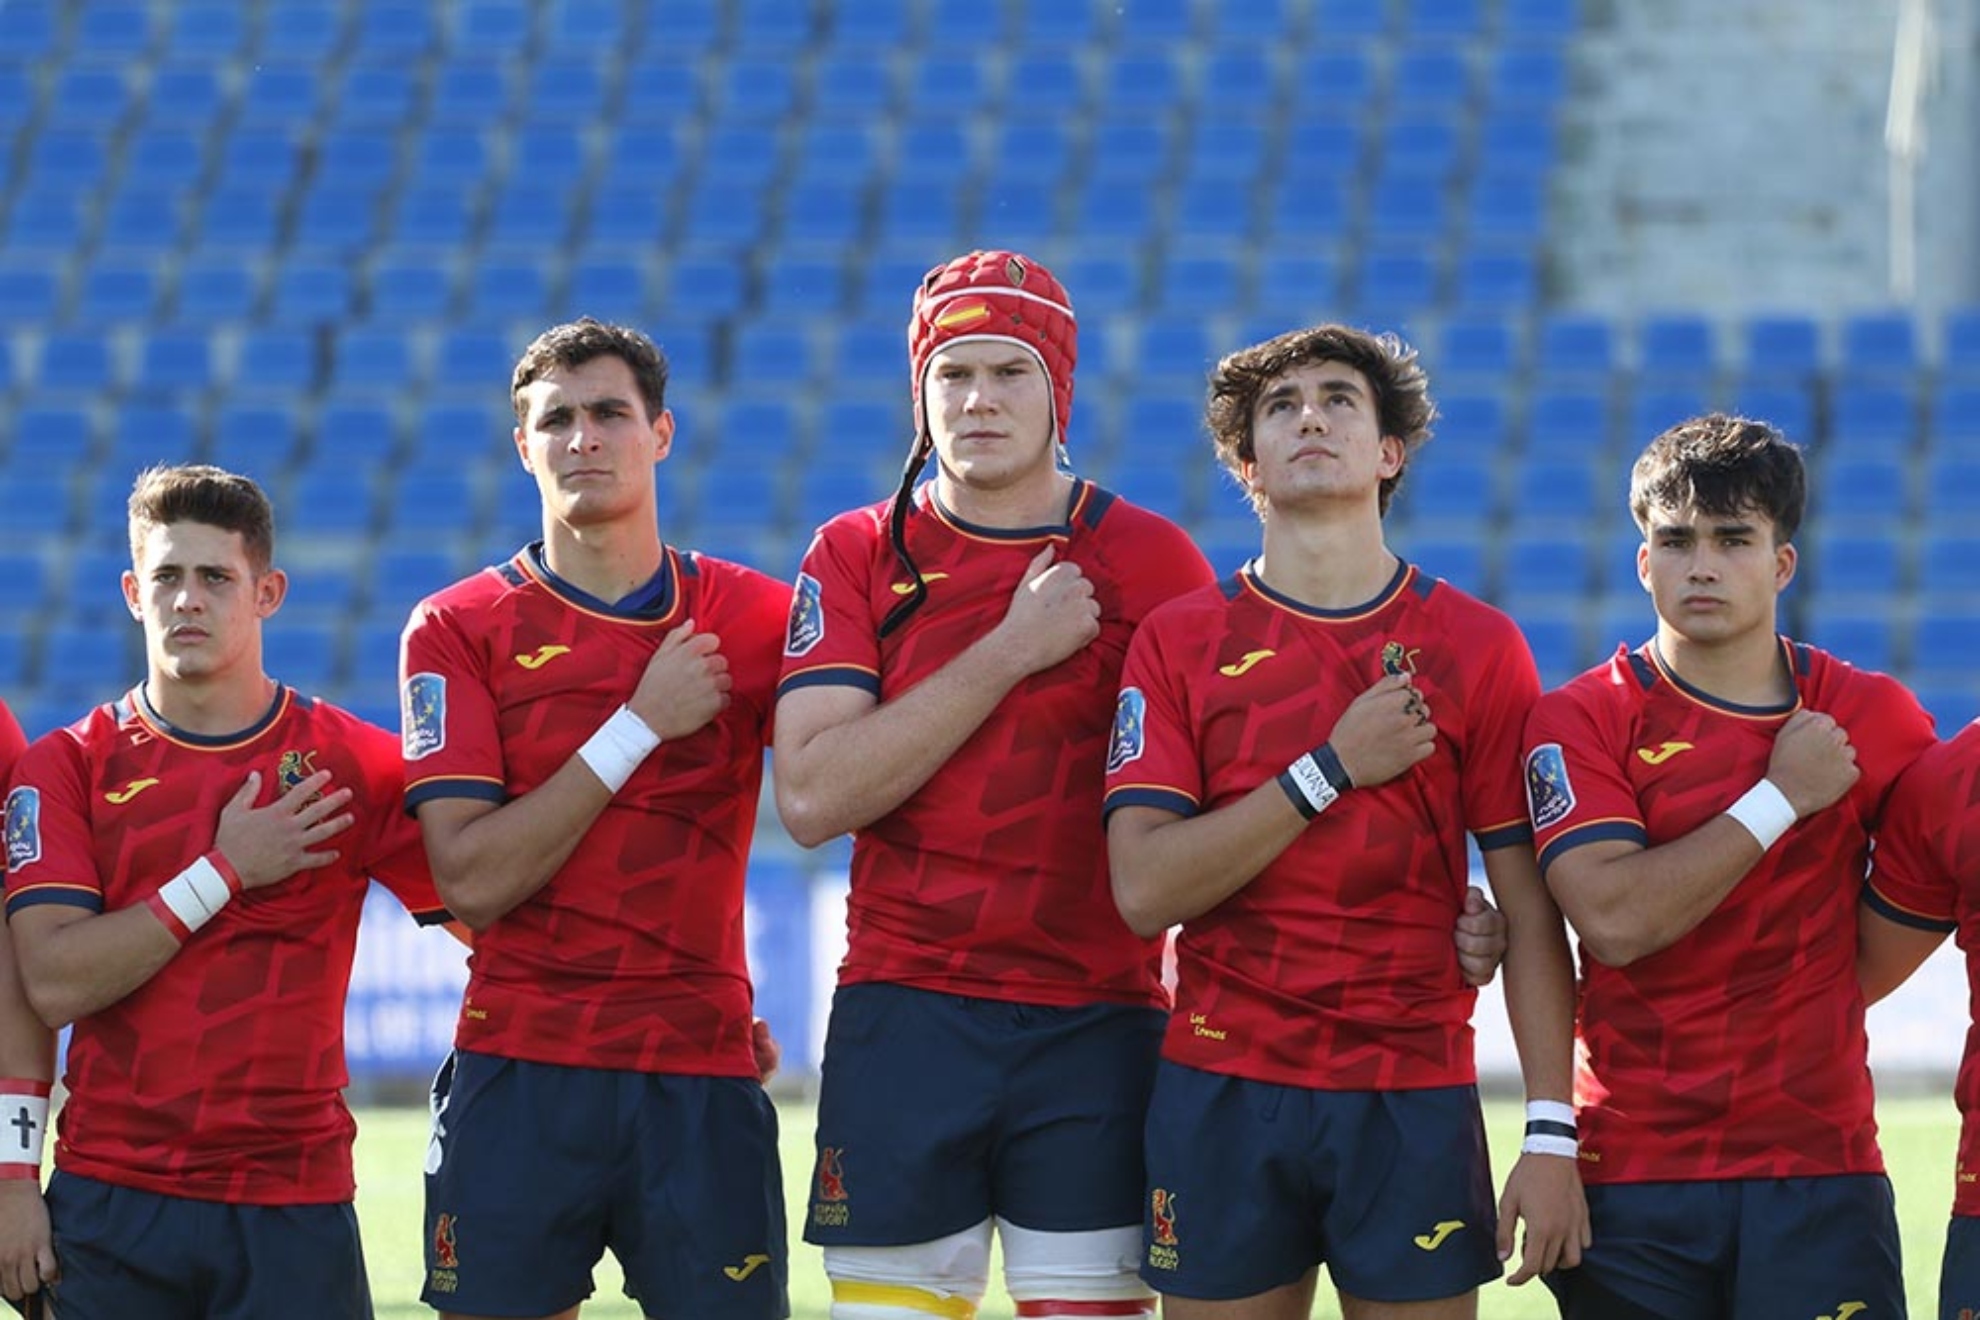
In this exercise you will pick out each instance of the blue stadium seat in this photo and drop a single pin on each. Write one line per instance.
(53, 437)
(1955, 419)
(328, 499)
(338, 219)
(1141, 79)
(1394, 283)
(1515, 143)
(83, 361)
(496, 27)
(528, 215)
(1866, 415)
(101, 657)
(1507, 207)
(565, 93)
(1526, 79)
(1446, 19)
(1449, 490)
(29, 34)
(1951, 485)
(403, 574)
(1457, 560)
(1431, 75)
(114, 31)
(87, 96)
(30, 290)
(1405, 209)
(451, 156)
(468, 93)
(1953, 702)
(285, 95)
(379, 358)
(1864, 636)
(722, 213)
(375, 95)
(1175, 350)
(404, 29)
(1425, 147)
(1202, 282)
(309, 29)
(434, 215)
(1861, 487)
(463, 433)
(919, 210)
(1240, 76)
(1544, 562)
(1059, 24)
(1653, 410)
(577, 27)
(1503, 281)
(1554, 634)
(1789, 409)
(1677, 346)
(1553, 20)
(1782, 347)
(1945, 641)
(1479, 346)
(944, 84)
(215, 286)
(1556, 487)
(1568, 422)
(300, 653)
(1043, 82)
(276, 361)
(608, 288)
(162, 157)
(34, 502)
(45, 221)
(359, 430)
(1279, 20)
(409, 284)
(852, 85)
(1472, 424)
(1576, 345)
(175, 361)
(1884, 344)
(438, 502)
(775, 349)
(1949, 562)
(147, 433)
(879, 25)
(1960, 355)
(311, 293)
(184, 96)
(932, 150)
(1852, 564)
(474, 359)
(1325, 145)
(756, 89)
(1345, 20)
(68, 159)
(669, 89)
(257, 439)
(1301, 285)
(118, 290)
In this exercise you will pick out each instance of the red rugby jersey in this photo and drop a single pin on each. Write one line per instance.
(632, 955)
(1737, 1052)
(1334, 968)
(991, 880)
(221, 1078)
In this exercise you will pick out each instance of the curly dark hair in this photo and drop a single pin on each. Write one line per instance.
(577, 342)
(1402, 390)
(1725, 465)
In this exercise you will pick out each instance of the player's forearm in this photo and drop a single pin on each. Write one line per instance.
(1168, 869)
(1539, 971)
(1634, 902)
(85, 965)
(27, 1045)
(486, 863)
(846, 776)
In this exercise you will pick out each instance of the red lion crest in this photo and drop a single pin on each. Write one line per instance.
(831, 1174)
(1162, 1209)
(444, 1257)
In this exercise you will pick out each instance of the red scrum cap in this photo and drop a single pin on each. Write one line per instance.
(1002, 296)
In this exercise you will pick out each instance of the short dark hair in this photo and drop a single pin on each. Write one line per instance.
(1725, 465)
(199, 493)
(1402, 390)
(575, 343)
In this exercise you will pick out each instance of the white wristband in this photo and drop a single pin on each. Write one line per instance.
(194, 896)
(23, 1126)
(1550, 1129)
(1764, 812)
(1549, 1111)
(1567, 1147)
(616, 750)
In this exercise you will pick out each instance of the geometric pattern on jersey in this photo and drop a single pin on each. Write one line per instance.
(220, 1078)
(990, 880)
(1925, 873)
(632, 955)
(1333, 968)
(1738, 1051)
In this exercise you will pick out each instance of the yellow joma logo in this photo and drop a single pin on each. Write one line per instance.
(1435, 1237)
(1243, 666)
(1845, 1311)
(907, 588)
(544, 655)
(747, 1268)
(1663, 753)
(118, 797)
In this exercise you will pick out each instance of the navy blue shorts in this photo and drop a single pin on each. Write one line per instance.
(1959, 1270)
(536, 1170)
(125, 1252)
(940, 1111)
(1251, 1185)
(1737, 1248)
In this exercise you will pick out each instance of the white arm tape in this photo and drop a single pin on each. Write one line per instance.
(616, 750)
(1764, 812)
(23, 1126)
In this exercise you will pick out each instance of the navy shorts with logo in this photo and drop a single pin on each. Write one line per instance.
(1252, 1184)
(1734, 1248)
(938, 1111)
(126, 1252)
(535, 1170)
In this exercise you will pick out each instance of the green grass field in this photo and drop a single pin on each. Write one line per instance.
(1919, 1134)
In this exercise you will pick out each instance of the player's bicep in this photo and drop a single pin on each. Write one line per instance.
(1574, 878)
(1888, 951)
(33, 928)
(443, 826)
(803, 713)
